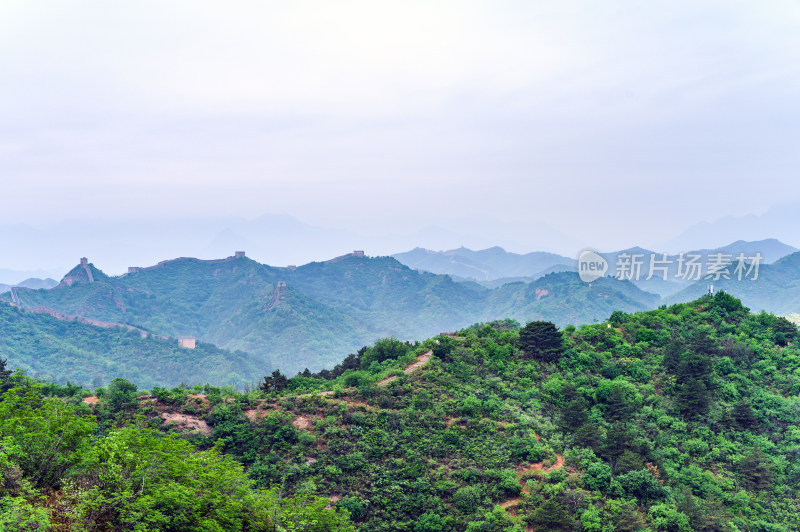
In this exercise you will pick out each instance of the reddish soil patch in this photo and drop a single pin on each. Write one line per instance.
(302, 422)
(187, 422)
(91, 400)
(253, 414)
(334, 499)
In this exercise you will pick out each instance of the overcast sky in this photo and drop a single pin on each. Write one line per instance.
(616, 123)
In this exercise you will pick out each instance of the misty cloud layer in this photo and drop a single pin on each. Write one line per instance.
(555, 124)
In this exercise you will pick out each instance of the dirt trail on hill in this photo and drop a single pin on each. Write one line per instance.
(421, 361)
(522, 471)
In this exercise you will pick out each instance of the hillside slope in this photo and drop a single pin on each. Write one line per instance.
(679, 419)
(67, 350)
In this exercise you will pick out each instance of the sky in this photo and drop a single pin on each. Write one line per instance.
(550, 125)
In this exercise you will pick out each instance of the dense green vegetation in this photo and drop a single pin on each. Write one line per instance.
(682, 418)
(312, 316)
(60, 471)
(60, 351)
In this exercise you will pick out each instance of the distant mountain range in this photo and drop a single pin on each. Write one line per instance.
(490, 264)
(494, 267)
(33, 282)
(776, 290)
(779, 221)
(313, 315)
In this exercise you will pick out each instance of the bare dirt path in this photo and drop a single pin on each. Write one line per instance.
(522, 471)
(421, 361)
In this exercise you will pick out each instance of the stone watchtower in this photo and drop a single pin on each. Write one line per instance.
(187, 342)
(238, 254)
(84, 261)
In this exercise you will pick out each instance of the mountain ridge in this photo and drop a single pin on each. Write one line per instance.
(330, 308)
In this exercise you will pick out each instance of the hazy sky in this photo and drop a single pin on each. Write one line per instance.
(613, 122)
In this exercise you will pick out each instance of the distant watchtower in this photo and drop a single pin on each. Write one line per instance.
(358, 253)
(187, 342)
(133, 269)
(238, 255)
(84, 261)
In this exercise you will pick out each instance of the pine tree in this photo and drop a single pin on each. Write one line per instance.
(575, 414)
(275, 382)
(743, 415)
(693, 399)
(551, 515)
(541, 340)
(5, 376)
(756, 470)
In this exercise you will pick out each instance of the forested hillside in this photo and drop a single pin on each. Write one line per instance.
(314, 315)
(682, 418)
(57, 350)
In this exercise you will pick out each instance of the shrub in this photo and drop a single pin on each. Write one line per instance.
(467, 499)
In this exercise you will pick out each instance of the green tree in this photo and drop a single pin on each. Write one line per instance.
(5, 376)
(785, 330)
(43, 436)
(384, 349)
(121, 395)
(467, 499)
(541, 340)
(574, 414)
(430, 522)
(551, 515)
(742, 413)
(756, 470)
(137, 479)
(693, 399)
(275, 382)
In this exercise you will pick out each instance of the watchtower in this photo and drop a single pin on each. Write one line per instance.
(238, 254)
(187, 342)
